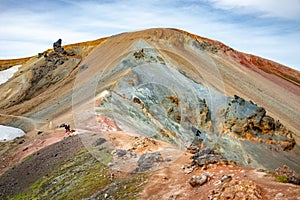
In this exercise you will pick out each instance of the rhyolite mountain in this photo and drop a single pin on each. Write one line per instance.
(165, 84)
(137, 101)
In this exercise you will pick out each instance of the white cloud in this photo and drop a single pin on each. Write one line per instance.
(286, 9)
(28, 32)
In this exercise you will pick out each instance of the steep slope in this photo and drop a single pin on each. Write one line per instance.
(162, 83)
(32, 88)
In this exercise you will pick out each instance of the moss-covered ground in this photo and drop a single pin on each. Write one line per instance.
(83, 177)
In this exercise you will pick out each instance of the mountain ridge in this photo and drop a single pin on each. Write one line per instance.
(252, 60)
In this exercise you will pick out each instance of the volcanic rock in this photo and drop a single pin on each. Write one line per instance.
(236, 190)
(206, 156)
(199, 180)
(245, 120)
(148, 160)
(226, 177)
(57, 46)
(290, 174)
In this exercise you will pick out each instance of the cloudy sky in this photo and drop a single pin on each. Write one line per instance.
(267, 28)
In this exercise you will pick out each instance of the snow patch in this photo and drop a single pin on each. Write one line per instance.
(5, 75)
(10, 133)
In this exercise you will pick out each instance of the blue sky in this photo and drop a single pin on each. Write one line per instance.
(267, 28)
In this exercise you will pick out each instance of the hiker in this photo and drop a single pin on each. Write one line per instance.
(67, 127)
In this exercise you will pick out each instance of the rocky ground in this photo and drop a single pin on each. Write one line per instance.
(67, 170)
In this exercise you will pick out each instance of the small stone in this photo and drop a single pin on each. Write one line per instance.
(22, 141)
(105, 195)
(198, 180)
(217, 183)
(279, 195)
(226, 178)
(188, 170)
(99, 141)
(110, 164)
(121, 152)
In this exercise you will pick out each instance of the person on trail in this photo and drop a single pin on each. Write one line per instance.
(67, 127)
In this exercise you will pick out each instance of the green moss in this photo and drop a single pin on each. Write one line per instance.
(127, 188)
(78, 177)
(282, 179)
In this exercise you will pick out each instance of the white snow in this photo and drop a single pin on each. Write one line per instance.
(10, 133)
(5, 75)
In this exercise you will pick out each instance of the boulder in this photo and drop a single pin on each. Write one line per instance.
(57, 47)
(289, 174)
(206, 156)
(199, 180)
(148, 160)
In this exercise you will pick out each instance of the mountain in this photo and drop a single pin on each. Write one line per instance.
(137, 101)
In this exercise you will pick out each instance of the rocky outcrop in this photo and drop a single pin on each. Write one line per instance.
(57, 47)
(205, 157)
(236, 190)
(290, 174)
(44, 73)
(247, 121)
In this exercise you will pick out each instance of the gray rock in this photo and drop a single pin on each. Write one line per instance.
(202, 152)
(279, 195)
(226, 178)
(121, 152)
(57, 45)
(189, 169)
(248, 121)
(148, 160)
(198, 180)
(99, 141)
(206, 156)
